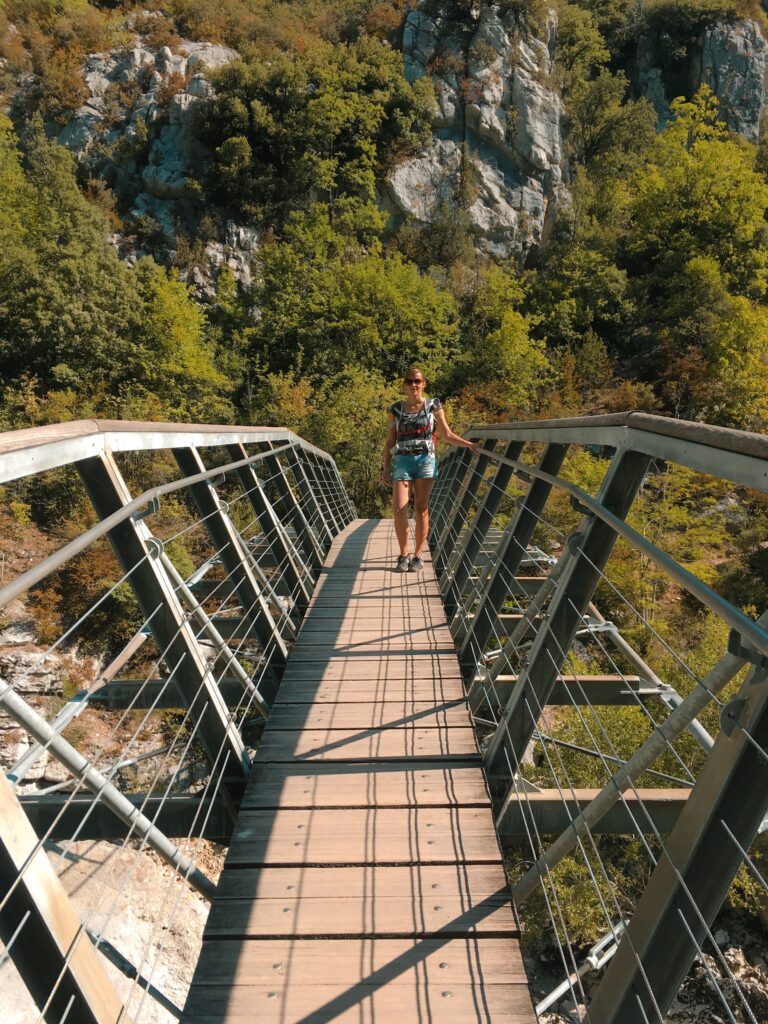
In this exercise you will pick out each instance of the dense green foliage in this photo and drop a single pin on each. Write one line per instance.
(86, 330)
(314, 128)
(650, 294)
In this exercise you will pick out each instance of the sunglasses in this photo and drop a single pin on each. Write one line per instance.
(413, 380)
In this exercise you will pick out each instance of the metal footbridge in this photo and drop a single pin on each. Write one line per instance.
(421, 781)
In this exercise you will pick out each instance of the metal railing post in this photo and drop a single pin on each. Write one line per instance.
(459, 569)
(321, 486)
(230, 547)
(310, 493)
(288, 507)
(579, 571)
(294, 571)
(136, 552)
(509, 555)
(471, 476)
(695, 868)
(445, 490)
(118, 804)
(336, 487)
(51, 949)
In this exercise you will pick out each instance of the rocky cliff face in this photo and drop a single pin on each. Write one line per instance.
(497, 128)
(497, 149)
(135, 132)
(732, 59)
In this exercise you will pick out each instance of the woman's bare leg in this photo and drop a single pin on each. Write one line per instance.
(422, 490)
(400, 513)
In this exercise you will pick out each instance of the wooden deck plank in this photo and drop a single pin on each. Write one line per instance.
(378, 651)
(366, 690)
(357, 785)
(475, 882)
(362, 612)
(378, 641)
(340, 962)
(400, 902)
(377, 714)
(412, 666)
(416, 635)
(364, 881)
(478, 1000)
(367, 744)
(432, 835)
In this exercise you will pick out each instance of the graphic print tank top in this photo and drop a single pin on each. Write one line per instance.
(415, 430)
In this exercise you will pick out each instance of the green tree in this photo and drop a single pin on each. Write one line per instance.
(499, 353)
(326, 304)
(314, 126)
(178, 362)
(607, 131)
(717, 350)
(580, 45)
(69, 309)
(77, 323)
(345, 414)
(698, 195)
(579, 290)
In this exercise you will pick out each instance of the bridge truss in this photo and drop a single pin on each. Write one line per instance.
(537, 652)
(542, 547)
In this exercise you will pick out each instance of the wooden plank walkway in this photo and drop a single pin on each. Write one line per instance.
(364, 881)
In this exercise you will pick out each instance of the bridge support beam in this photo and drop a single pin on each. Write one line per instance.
(207, 628)
(471, 477)
(230, 547)
(104, 790)
(311, 494)
(458, 570)
(137, 551)
(59, 816)
(288, 507)
(549, 812)
(694, 870)
(509, 555)
(579, 571)
(292, 567)
(47, 943)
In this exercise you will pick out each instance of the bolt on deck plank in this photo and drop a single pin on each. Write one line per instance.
(364, 880)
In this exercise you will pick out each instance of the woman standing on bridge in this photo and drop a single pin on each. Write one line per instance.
(411, 431)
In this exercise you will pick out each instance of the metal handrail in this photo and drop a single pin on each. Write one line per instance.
(708, 597)
(728, 800)
(101, 529)
(37, 449)
(299, 506)
(736, 455)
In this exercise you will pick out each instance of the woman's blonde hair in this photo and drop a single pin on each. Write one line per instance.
(415, 369)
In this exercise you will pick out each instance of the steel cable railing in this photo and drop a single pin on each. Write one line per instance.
(223, 650)
(585, 723)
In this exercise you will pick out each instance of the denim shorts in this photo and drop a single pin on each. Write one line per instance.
(414, 467)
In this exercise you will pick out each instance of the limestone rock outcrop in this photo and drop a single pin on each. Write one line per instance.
(733, 62)
(136, 132)
(497, 123)
(731, 58)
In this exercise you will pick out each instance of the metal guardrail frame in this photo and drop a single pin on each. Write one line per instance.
(305, 495)
(692, 878)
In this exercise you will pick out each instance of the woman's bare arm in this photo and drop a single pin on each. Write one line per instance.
(448, 435)
(389, 444)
